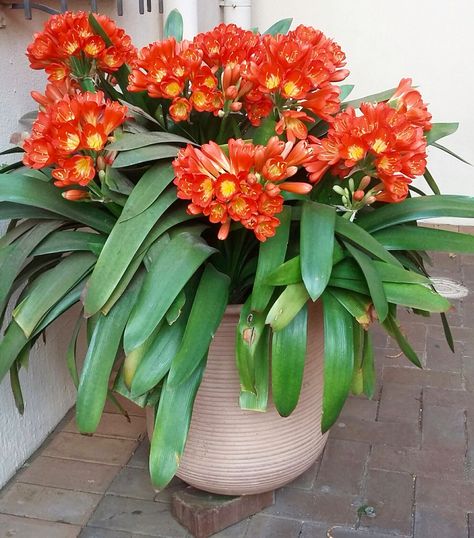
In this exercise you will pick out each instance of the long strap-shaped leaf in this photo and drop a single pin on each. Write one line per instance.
(176, 264)
(388, 273)
(373, 279)
(368, 367)
(258, 400)
(271, 254)
(13, 256)
(128, 141)
(393, 329)
(50, 287)
(172, 422)
(67, 241)
(338, 358)
(118, 253)
(422, 207)
(355, 234)
(152, 183)
(317, 246)
(288, 360)
(99, 360)
(206, 313)
(285, 308)
(24, 190)
(146, 154)
(11, 345)
(405, 237)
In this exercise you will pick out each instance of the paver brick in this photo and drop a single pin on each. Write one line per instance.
(50, 504)
(21, 527)
(132, 482)
(91, 532)
(400, 403)
(140, 455)
(67, 474)
(387, 433)
(391, 494)
(342, 467)
(93, 449)
(441, 464)
(316, 507)
(440, 494)
(438, 355)
(131, 515)
(265, 526)
(431, 523)
(306, 480)
(444, 427)
(359, 407)
(115, 425)
(423, 378)
(459, 399)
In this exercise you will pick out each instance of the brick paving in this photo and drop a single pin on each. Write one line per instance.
(399, 465)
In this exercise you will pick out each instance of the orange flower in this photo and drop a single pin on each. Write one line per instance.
(68, 126)
(70, 35)
(292, 122)
(386, 141)
(241, 185)
(180, 109)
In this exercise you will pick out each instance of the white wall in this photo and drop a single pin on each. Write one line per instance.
(48, 390)
(430, 41)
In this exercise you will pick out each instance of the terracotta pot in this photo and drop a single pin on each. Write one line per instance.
(235, 452)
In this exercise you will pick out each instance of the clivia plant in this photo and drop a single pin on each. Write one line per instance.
(158, 186)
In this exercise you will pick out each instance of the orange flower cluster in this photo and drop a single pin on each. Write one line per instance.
(296, 69)
(72, 133)
(387, 142)
(68, 44)
(244, 185)
(258, 74)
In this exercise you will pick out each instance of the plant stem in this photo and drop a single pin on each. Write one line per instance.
(87, 84)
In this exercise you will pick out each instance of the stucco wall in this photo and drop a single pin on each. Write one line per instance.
(47, 388)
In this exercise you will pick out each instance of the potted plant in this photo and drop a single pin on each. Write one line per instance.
(219, 201)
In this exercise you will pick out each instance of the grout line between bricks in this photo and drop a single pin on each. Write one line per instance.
(467, 457)
(413, 509)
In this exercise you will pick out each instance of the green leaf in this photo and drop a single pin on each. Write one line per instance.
(118, 254)
(393, 329)
(146, 154)
(152, 183)
(175, 309)
(373, 279)
(270, 255)
(416, 296)
(13, 341)
(249, 331)
(163, 283)
(356, 304)
(317, 246)
(128, 141)
(206, 314)
(346, 90)
(288, 361)
(440, 130)
(156, 361)
(16, 387)
(68, 241)
(18, 211)
(71, 361)
(100, 357)
(30, 192)
(357, 383)
(173, 26)
(258, 400)
(447, 331)
(373, 98)
(16, 230)
(368, 367)
(265, 131)
(173, 418)
(388, 273)
(285, 308)
(280, 27)
(286, 273)
(13, 256)
(421, 238)
(450, 152)
(49, 288)
(338, 359)
(423, 207)
(363, 240)
(431, 182)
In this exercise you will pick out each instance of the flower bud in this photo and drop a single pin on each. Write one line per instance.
(358, 195)
(364, 182)
(231, 93)
(76, 195)
(235, 107)
(100, 163)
